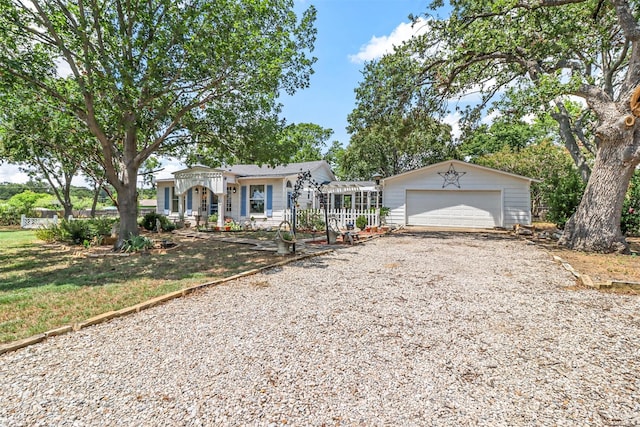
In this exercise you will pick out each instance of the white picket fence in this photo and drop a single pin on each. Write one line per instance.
(37, 222)
(343, 216)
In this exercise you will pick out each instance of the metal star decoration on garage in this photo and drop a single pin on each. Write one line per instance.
(451, 177)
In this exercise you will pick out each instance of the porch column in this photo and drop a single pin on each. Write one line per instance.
(180, 204)
(222, 208)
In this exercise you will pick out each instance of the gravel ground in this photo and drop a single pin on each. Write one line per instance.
(408, 330)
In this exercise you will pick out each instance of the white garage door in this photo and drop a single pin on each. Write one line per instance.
(473, 209)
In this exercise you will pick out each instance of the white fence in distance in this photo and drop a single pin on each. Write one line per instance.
(31, 223)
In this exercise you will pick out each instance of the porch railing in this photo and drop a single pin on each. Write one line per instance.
(343, 216)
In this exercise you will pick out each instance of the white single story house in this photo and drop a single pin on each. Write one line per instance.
(457, 194)
(239, 192)
(447, 194)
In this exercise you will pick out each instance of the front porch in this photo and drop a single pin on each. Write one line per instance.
(199, 196)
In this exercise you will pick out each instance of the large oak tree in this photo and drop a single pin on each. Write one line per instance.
(160, 76)
(541, 52)
(392, 131)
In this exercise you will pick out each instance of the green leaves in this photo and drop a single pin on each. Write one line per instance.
(143, 71)
(160, 76)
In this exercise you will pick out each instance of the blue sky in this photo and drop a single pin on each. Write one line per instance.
(350, 32)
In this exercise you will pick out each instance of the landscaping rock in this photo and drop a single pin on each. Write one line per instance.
(428, 329)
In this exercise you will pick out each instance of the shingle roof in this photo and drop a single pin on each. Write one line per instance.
(290, 169)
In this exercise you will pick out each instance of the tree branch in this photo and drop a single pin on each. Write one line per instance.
(627, 21)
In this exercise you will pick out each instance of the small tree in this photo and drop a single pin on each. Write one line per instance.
(630, 222)
(24, 202)
(563, 191)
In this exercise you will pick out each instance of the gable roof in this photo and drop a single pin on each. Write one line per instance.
(265, 171)
(281, 170)
(195, 168)
(460, 162)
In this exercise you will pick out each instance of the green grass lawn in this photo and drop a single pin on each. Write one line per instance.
(46, 286)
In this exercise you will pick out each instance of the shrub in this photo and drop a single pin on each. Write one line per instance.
(101, 226)
(564, 191)
(75, 232)
(149, 222)
(25, 202)
(166, 224)
(48, 233)
(137, 243)
(384, 213)
(630, 219)
(9, 215)
(361, 222)
(310, 220)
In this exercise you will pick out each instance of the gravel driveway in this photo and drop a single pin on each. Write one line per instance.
(412, 329)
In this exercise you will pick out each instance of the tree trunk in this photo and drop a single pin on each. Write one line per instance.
(66, 192)
(595, 226)
(562, 117)
(128, 210)
(94, 202)
(68, 210)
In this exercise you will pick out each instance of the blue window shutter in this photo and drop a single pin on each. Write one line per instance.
(167, 198)
(189, 198)
(269, 200)
(243, 200)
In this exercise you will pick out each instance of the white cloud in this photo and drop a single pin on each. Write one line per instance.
(529, 118)
(453, 120)
(11, 173)
(62, 67)
(489, 118)
(379, 46)
(170, 165)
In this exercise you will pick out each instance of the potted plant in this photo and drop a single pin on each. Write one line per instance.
(284, 242)
(384, 212)
(180, 223)
(213, 219)
(361, 222)
(333, 231)
(284, 238)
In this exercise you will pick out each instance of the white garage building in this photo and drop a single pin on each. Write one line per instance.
(457, 194)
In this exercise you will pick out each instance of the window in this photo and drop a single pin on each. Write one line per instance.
(203, 201)
(361, 201)
(256, 199)
(289, 194)
(174, 200)
(228, 199)
(347, 201)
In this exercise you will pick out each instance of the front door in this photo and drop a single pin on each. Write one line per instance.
(213, 204)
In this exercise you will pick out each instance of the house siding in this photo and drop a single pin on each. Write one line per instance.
(163, 194)
(274, 204)
(274, 185)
